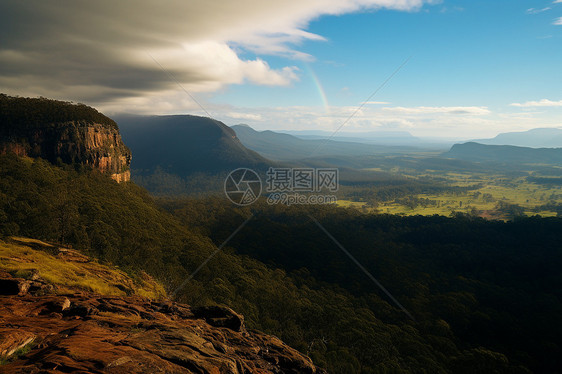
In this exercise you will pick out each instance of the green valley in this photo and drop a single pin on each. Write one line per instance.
(490, 194)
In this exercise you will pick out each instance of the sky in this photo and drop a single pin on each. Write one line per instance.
(435, 68)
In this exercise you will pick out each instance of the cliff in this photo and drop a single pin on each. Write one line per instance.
(62, 131)
(53, 327)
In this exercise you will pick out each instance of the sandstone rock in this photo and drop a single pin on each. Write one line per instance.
(35, 275)
(11, 340)
(14, 286)
(72, 256)
(220, 317)
(80, 311)
(40, 287)
(5, 274)
(94, 334)
(64, 304)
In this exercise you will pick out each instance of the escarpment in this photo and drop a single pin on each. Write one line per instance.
(63, 132)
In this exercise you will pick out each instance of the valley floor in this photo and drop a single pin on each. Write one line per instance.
(487, 195)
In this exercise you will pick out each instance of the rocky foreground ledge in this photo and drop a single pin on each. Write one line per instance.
(80, 331)
(93, 334)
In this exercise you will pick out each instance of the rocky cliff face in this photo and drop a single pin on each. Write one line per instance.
(48, 327)
(94, 145)
(56, 130)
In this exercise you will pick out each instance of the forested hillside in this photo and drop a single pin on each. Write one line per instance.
(180, 154)
(485, 295)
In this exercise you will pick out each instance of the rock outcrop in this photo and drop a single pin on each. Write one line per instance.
(63, 327)
(61, 131)
(86, 333)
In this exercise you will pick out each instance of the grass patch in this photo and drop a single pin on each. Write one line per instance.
(18, 353)
(22, 261)
(487, 195)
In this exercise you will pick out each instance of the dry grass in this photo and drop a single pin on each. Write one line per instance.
(23, 256)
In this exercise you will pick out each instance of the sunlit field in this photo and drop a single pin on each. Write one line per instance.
(487, 195)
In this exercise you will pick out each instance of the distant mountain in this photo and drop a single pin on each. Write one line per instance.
(286, 147)
(369, 137)
(535, 138)
(184, 144)
(505, 154)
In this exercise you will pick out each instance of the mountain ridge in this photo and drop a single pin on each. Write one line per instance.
(546, 137)
(477, 152)
(381, 137)
(184, 144)
(287, 147)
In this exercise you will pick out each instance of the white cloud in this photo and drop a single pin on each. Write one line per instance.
(461, 110)
(558, 21)
(94, 51)
(462, 121)
(453, 9)
(536, 11)
(376, 103)
(244, 116)
(540, 103)
(557, 2)
(217, 64)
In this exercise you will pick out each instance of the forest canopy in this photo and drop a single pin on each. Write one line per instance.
(21, 113)
(486, 295)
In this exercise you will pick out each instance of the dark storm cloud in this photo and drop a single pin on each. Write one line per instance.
(88, 50)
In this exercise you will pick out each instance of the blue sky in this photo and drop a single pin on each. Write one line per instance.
(477, 67)
(482, 52)
(463, 54)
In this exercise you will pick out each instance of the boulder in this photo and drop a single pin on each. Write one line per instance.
(218, 316)
(14, 286)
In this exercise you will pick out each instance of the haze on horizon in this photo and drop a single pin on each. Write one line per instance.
(477, 68)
